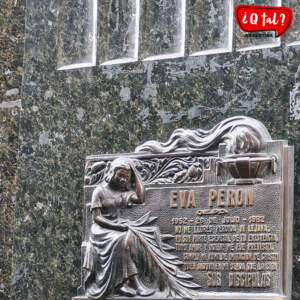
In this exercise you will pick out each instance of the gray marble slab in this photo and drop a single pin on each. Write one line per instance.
(88, 108)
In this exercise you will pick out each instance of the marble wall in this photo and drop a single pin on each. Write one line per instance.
(12, 19)
(84, 109)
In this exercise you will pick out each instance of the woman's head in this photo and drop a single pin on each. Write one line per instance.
(119, 173)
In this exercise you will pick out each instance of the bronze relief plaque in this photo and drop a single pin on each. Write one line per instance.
(204, 215)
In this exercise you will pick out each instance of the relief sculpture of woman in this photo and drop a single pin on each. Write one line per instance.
(121, 253)
(112, 243)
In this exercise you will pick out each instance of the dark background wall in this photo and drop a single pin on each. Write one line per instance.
(12, 31)
(70, 114)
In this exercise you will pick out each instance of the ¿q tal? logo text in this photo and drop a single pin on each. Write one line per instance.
(252, 18)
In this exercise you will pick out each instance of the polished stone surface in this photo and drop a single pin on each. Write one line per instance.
(12, 19)
(70, 114)
(8, 168)
(12, 16)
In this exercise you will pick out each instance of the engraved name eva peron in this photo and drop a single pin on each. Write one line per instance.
(205, 215)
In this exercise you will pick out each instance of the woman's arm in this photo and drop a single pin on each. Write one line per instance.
(98, 218)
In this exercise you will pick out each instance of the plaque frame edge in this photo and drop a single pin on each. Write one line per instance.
(288, 178)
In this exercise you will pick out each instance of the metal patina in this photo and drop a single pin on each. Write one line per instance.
(204, 215)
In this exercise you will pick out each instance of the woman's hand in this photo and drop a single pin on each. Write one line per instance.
(134, 198)
(123, 225)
